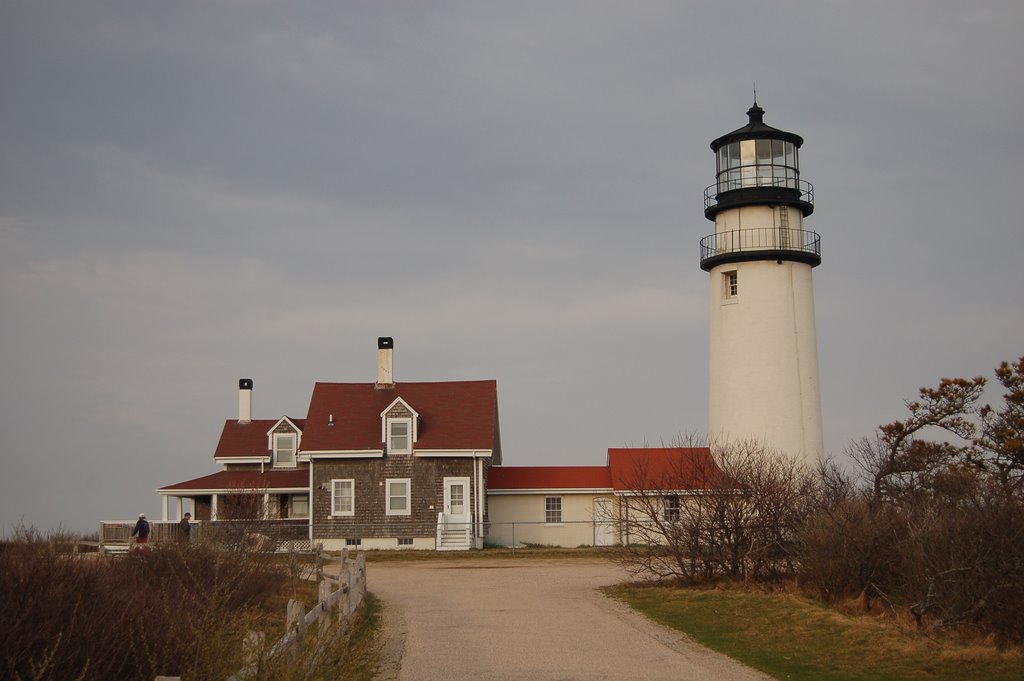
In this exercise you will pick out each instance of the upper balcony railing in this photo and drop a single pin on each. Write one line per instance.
(766, 243)
(761, 189)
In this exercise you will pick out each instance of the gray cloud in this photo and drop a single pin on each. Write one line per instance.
(194, 192)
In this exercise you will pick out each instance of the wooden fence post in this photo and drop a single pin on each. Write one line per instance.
(325, 612)
(296, 613)
(252, 649)
(347, 595)
(344, 606)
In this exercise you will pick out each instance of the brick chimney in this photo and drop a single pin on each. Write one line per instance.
(244, 400)
(385, 362)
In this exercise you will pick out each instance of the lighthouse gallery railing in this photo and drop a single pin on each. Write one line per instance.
(760, 240)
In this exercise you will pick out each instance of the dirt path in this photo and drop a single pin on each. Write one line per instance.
(527, 619)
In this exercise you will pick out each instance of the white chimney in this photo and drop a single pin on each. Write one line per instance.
(385, 362)
(244, 400)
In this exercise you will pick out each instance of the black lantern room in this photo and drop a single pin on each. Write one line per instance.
(758, 165)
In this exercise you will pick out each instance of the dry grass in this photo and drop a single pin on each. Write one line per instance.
(174, 610)
(791, 637)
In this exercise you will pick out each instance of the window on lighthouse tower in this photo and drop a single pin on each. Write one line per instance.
(731, 284)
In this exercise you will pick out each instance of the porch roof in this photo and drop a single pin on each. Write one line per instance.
(243, 482)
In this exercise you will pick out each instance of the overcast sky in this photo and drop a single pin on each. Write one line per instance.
(194, 192)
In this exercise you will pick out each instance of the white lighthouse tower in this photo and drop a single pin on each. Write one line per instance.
(763, 378)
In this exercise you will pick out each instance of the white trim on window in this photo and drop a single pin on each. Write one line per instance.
(343, 497)
(552, 510)
(399, 436)
(298, 506)
(285, 444)
(670, 507)
(412, 412)
(730, 286)
(398, 496)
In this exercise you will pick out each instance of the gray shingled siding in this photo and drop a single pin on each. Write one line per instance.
(399, 411)
(426, 477)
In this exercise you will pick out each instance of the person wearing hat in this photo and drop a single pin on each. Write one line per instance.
(185, 526)
(141, 531)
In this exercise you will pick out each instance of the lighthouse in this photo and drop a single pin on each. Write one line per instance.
(763, 359)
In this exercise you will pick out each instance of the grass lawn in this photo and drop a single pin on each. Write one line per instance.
(790, 637)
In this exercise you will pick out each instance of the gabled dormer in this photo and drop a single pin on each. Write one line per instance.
(399, 427)
(283, 441)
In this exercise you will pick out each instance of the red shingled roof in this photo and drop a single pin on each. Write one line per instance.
(243, 481)
(548, 477)
(666, 468)
(653, 469)
(453, 415)
(248, 439)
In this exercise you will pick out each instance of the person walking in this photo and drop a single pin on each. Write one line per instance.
(185, 527)
(141, 530)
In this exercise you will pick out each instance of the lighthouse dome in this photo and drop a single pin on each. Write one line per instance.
(757, 164)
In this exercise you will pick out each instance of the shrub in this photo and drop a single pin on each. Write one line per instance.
(173, 609)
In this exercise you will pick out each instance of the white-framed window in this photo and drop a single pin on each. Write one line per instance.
(284, 450)
(670, 507)
(299, 506)
(553, 510)
(399, 436)
(730, 285)
(343, 497)
(397, 500)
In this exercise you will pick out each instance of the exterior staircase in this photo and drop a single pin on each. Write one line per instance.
(454, 533)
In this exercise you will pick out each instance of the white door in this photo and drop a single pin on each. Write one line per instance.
(456, 498)
(603, 531)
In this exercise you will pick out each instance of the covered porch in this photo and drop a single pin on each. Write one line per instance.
(240, 495)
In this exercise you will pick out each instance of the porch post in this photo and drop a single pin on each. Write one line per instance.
(167, 506)
(480, 492)
(266, 506)
(213, 506)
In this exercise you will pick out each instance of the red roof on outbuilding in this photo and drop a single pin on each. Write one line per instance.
(453, 415)
(548, 477)
(666, 468)
(628, 470)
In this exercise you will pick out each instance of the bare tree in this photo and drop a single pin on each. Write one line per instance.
(693, 512)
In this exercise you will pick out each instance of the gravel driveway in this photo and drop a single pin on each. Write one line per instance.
(527, 619)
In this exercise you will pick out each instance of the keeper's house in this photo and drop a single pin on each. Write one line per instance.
(389, 465)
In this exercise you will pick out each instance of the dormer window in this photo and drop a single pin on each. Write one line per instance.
(399, 436)
(284, 450)
(284, 439)
(398, 425)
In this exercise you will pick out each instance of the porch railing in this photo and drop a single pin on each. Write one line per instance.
(260, 535)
